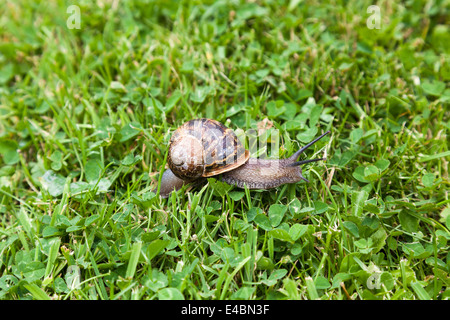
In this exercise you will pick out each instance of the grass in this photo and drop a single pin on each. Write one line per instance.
(86, 115)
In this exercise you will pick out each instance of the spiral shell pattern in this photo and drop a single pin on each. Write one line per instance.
(204, 148)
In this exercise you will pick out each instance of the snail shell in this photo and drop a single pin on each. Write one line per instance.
(204, 148)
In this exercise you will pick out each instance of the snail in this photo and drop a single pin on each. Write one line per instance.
(203, 148)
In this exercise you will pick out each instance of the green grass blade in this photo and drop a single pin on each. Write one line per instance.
(54, 248)
(134, 259)
(36, 292)
(311, 288)
(420, 291)
(231, 277)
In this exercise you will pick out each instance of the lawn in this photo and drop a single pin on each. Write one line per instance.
(91, 91)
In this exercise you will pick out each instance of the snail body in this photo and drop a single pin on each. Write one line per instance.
(203, 148)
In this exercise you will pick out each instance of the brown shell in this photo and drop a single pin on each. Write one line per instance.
(221, 150)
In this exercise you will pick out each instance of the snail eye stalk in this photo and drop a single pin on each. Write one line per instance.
(299, 163)
(297, 154)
